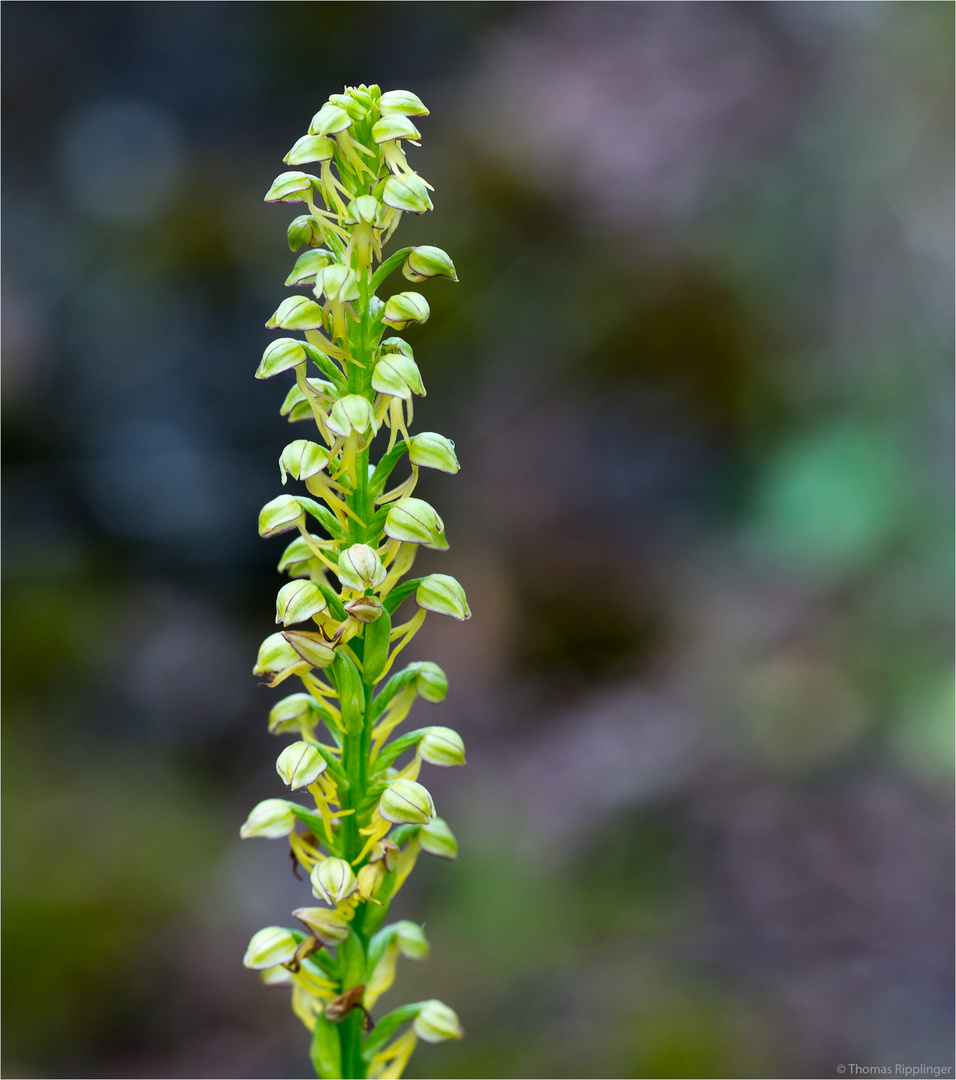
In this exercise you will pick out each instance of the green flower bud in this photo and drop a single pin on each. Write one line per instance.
(432, 451)
(275, 656)
(291, 712)
(296, 313)
(437, 839)
(360, 568)
(352, 413)
(310, 148)
(411, 940)
(296, 558)
(337, 282)
(431, 683)
(355, 108)
(428, 262)
(271, 946)
(406, 802)
(291, 187)
(311, 647)
(330, 120)
(365, 95)
(366, 609)
(386, 853)
(276, 976)
(443, 594)
(333, 881)
(370, 878)
(302, 459)
(304, 229)
(280, 515)
(404, 308)
(398, 375)
(300, 764)
(328, 926)
(366, 208)
(299, 411)
(271, 818)
(415, 522)
(280, 355)
(390, 128)
(397, 345)
(436, 1022)
(298, 601)
(442, 746)
(307, 265)
(401, 103)
(295, 405)
(407, 193)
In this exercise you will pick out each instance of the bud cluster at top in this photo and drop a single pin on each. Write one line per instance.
(352, 539)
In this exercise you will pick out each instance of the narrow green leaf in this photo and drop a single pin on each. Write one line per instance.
(387, 1026)
(403, 833)
(392, 263)
(406, 677)
(384, 468)
(326, 1051)
(335, 604)
(323, 516)
(378, 943)
(326, 365)
(333, 763)
(398, 594)
(309, 818)
(393, 750)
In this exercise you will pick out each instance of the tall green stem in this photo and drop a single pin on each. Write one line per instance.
(356, 749)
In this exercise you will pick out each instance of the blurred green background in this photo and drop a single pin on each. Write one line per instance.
(698, 370)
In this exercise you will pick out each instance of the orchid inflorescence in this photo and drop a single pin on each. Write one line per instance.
(371, 817)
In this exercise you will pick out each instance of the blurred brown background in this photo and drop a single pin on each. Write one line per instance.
(698, 374)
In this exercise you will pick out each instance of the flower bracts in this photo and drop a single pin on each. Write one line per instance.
(353, 537)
